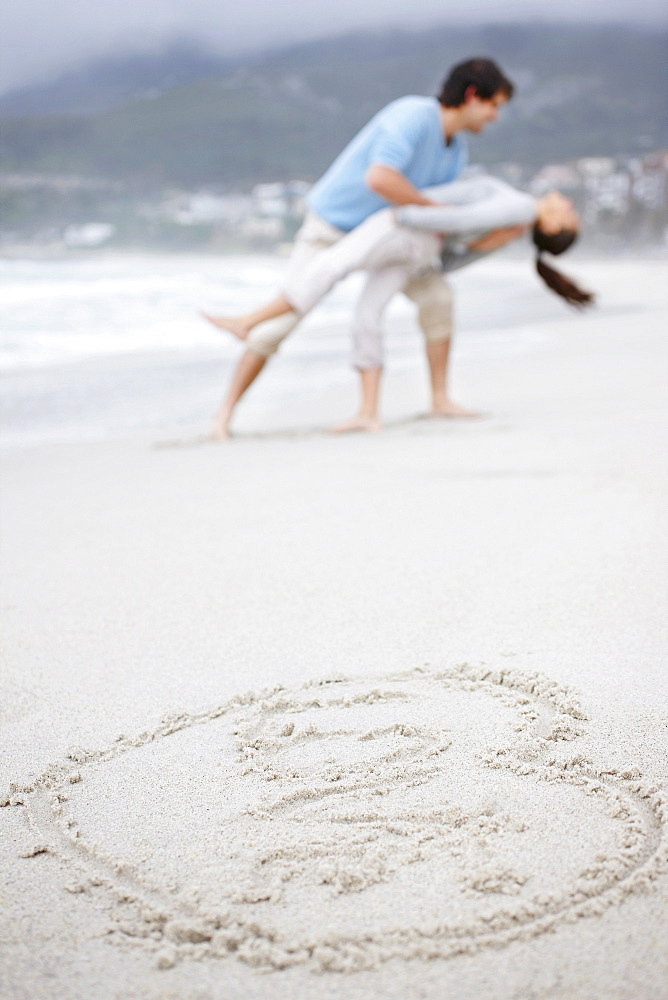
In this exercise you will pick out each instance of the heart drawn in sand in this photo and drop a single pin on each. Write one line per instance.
(350, 821)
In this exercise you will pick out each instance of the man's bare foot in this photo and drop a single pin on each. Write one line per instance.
(236, 325)
(447, 408)
(368, 425)
(217, 435)
(220, 429)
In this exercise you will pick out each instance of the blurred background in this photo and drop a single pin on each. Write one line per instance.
(154, 161)
(196, 125)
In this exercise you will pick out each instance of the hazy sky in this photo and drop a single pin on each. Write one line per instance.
(42, 38)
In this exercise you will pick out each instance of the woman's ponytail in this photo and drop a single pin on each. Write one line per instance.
(563, 286)
(559, 283)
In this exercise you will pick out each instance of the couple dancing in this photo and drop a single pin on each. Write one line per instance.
(391, 205)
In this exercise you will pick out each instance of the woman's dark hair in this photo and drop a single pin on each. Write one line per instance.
(556, 243)
(483, 74)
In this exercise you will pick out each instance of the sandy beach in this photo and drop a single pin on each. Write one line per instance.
(358, 717)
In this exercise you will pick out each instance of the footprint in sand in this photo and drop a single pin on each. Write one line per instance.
(351, 821)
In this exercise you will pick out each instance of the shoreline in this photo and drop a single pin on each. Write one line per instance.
(586, 249)
(131, 382)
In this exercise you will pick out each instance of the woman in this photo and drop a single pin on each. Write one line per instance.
(473, 218)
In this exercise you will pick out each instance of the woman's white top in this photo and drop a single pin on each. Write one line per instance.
(471, 208)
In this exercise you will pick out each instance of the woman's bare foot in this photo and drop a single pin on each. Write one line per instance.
(368, 425)
(236, 325)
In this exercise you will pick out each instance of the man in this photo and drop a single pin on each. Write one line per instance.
(412, 143)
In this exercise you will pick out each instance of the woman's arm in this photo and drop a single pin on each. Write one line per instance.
(473, 206)
(455, 257)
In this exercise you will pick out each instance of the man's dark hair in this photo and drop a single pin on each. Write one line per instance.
(483, 74)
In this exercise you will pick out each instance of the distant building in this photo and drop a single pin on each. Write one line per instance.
(280, 200)
(563, 176)
(89, 235)
(192, 208)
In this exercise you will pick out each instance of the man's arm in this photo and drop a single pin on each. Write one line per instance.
(393, 186)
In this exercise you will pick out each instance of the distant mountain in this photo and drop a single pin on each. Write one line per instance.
(189, 118)
(111, 83)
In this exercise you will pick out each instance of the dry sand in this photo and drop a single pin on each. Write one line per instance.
(362, 717)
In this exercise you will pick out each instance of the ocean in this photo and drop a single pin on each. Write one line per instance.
(98, 347)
